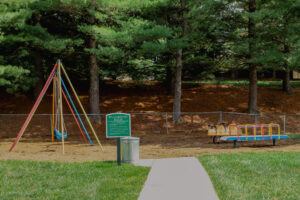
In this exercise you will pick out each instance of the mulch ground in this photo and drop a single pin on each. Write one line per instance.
(153, 98)
(188, 139)
(158, 146)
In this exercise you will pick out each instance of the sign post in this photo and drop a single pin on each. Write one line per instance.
(119, 151)
(118, 125)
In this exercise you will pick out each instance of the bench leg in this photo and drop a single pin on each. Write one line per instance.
(214, 139)
(234, 144)
(274, 142)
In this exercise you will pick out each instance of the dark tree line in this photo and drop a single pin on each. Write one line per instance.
(164, 39)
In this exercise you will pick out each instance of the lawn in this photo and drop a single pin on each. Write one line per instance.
(54, 180)
(274, 175)
(242, 83)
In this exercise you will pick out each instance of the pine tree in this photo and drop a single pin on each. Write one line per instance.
(172, 15)
(12, 15)
(102, 25)
(29, 40)
(210, 28)
(245, 43)
(281, 36)
(252, 102)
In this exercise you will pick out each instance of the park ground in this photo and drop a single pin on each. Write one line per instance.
(159, 146)
(128, 98)
(151, 97)
(236, 167)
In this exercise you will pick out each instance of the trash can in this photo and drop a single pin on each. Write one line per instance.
(130, 149)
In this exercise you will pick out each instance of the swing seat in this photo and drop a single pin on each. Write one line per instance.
(58, 134)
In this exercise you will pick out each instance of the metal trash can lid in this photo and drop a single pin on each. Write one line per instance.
(130, 138)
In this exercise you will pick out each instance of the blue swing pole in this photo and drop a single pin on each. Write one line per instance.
(65, 88)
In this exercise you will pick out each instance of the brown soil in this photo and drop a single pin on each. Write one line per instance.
(162, 146)
(153, 98)
(186, 139)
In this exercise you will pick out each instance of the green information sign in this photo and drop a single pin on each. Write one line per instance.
(118, 125)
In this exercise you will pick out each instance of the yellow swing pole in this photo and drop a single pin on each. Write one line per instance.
(53, 108)
(78, 100)
(61, 108)
(270, 131)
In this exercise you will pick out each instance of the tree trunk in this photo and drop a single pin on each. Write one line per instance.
(38, 66)
(177, 89)
(178, 70)
(169, 81)
(38, 63)
(252, 102)
(94, 75)
(234, 74)
(286, 87)
(274, 74)
(286, 81)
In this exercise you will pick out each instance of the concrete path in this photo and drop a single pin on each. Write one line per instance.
(177, 178)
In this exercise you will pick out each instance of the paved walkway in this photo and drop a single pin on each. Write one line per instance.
(177, 178)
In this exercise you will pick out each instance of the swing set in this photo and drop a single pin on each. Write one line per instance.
(60, 91)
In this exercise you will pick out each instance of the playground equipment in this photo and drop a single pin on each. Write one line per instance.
(60, 91)
(240, 132)
(216, 131)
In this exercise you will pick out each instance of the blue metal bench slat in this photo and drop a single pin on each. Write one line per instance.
(258, 137)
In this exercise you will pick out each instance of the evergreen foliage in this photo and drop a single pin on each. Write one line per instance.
(145, 39)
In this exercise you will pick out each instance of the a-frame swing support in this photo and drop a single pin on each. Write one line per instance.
(57, 82)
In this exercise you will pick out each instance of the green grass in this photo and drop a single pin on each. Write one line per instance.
(53, 180)
(255, 175)
(242, 83)
(294, 137)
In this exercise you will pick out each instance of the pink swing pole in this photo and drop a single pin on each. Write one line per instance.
(73, 115)
(29, 117)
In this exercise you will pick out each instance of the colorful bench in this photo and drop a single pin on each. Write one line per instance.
(257, 137)
(245, 132)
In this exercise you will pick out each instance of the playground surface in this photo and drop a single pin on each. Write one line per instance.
(36, 143)
(152, 146)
